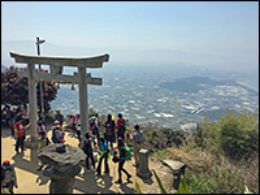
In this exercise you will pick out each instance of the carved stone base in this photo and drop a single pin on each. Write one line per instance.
(144, 174)
(63, 164)
(62, 186)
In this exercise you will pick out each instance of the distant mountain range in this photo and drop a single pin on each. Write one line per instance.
(195, 83)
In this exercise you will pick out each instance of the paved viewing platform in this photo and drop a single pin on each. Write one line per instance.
(32, 181)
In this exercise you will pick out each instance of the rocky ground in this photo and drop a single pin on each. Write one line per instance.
(32, 181)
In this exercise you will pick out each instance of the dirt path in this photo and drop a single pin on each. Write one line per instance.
(32, 181)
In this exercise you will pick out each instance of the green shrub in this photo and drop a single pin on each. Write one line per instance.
(239, 136)
(152, 137)
(207, 135)
(236, 136)
(14, 89)
(218, 181)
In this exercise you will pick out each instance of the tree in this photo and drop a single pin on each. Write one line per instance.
(14, 89)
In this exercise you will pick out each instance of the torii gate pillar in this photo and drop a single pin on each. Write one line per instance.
(83, 100)
(32, 100)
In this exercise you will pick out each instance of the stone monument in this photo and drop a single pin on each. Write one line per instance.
(143, 168)
(62, 165)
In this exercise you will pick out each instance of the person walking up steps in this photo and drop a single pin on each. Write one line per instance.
(124, 154)
(103, 146)
(109, 134)
(87, 148)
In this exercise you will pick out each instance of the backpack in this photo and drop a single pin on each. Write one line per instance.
(122, 124)
(139, 137)
(87, 146)
(121, 128)
(103, 147)
(2, 173)
(128, 155)
(7, 172)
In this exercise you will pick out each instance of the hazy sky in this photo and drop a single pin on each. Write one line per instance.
(209, 34)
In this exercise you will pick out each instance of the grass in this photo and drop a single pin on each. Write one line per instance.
(160, 154)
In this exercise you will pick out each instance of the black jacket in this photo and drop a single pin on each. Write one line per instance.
(87, 147)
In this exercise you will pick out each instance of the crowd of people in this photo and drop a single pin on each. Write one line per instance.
(114, 141)
(98, 145)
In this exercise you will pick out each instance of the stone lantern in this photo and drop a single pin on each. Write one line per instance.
(63, 164)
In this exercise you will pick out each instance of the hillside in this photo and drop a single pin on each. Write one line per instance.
(196, 83)
(222, 156)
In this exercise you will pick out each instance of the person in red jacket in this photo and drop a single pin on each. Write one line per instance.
(121, 126)
(20, 136)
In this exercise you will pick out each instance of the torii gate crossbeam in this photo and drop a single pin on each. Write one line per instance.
(56, 66)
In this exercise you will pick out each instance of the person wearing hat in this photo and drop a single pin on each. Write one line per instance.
(8, 176)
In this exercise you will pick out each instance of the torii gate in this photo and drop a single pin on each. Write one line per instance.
(56, 66)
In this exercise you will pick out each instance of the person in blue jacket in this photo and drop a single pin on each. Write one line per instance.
(103, 146)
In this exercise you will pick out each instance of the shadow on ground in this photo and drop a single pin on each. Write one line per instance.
(87, 183)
